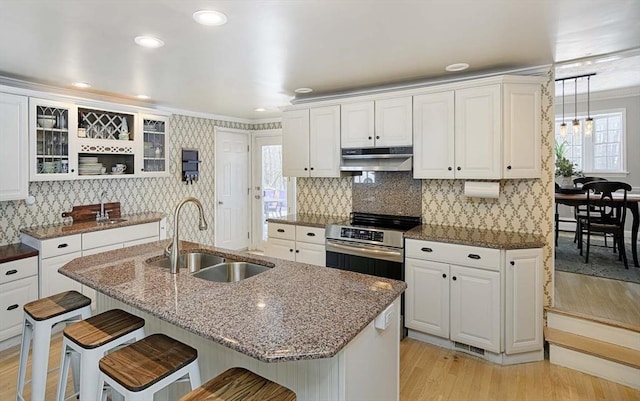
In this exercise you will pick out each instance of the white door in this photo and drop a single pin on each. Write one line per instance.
(295, 143)
(232, 189)
(427, 297)
(393, 122)
(433, 145)
(357, 125)
(272, 192)
(324, 142)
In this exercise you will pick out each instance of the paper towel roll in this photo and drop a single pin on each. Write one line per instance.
(481, 189)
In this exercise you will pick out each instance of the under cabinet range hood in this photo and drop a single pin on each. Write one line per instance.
(377, 159)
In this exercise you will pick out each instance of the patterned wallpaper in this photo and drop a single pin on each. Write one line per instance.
(523, 205)
(134, 194)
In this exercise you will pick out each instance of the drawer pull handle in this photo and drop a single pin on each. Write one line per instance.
(280, 230)
(426, 249)
(311, 234)
(63, 246)
(12, 307)
(10, 272)
(473, 256)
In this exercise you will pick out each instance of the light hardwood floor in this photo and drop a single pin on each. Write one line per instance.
(429, 373)
(613, 300)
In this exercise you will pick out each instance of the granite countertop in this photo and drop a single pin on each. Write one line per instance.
(476, 237)
(293, 311)
(13, 252)
(309, 220)
(60, 230)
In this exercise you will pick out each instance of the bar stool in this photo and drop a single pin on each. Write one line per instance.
(139, 370)
(92, 339)
(239, 384)
(39, 318)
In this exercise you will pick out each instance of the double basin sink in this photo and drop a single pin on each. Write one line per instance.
(213, 267)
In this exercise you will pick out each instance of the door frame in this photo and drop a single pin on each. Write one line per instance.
(256, 204)
(247, 133)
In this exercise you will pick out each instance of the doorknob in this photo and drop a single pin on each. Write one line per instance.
(220, 203)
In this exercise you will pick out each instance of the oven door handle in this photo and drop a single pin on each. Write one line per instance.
(366, 252)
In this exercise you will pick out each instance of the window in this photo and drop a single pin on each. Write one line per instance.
(602, 152)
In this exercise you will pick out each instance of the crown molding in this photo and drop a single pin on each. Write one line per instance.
(602, 95)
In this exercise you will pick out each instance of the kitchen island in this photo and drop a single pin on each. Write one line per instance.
(306, 327)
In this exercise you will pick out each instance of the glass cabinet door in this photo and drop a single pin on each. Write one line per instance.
(155, 145)
(52, 158)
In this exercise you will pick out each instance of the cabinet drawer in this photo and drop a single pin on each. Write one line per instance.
(113, 236)
(60, 246)
(464, 255)
(13, 296)
(283, 231)
(17, 269)
(313, 235)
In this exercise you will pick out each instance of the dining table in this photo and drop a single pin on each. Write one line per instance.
(580, 198)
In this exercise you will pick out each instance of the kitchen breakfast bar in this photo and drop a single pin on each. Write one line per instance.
(311, 329)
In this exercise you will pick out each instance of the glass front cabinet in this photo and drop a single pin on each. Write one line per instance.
(53, 155)
(71, 141)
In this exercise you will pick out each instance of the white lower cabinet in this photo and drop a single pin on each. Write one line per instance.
(56, 252)
(296, 243)
(18, 285)
(485, 298)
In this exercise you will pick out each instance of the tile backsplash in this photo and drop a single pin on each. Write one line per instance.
(393, 193)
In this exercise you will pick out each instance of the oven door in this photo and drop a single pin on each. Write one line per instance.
(371, 259)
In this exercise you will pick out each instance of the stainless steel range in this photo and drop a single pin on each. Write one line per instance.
(369, 243)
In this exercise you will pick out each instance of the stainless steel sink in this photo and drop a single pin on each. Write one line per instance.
(193, 261)
(230, 272)
(114, 221)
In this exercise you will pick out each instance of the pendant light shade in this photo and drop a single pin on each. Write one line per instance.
(563, 126)
(576, 122)
(588, 123)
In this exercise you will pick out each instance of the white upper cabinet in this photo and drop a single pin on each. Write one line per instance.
(357, 125)
(488, 131)
(311, 142)
(14, 152)
(393, 122)
(522, 130)
(295, 143)
(151, 155)
(380, 123)
(433, 135)
(478, 132)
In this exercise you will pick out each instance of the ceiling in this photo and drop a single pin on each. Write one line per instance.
(268, 48)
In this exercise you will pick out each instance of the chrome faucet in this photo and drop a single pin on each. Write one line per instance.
(102, 215)
(174, 251)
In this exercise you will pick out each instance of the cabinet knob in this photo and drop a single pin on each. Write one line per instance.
(73, 170)
(512, 263)
(370, 138)
(444, 275)
(297, 251)
(459, 168)
(377, 136)
(305, 169)
(449, 168)
(311, 168)
(290, 250)
(141, 169)
(508, 167)
(454, 278)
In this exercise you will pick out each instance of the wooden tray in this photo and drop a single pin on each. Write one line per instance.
(88, 212)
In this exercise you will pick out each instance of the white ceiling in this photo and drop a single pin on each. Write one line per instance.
(270, 47)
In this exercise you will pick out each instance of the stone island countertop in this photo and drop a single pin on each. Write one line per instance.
(60, 230)
(293, 311)
(309, 220)
(475, 237)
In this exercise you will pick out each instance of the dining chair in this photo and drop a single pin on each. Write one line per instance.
(558, 219)
(603, 216)
(580, 211)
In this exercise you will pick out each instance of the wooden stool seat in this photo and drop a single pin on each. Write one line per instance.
(239, 384)
(55, 305)
(100, 329)
(146, 362)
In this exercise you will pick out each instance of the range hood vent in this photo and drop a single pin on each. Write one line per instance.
(377, 159)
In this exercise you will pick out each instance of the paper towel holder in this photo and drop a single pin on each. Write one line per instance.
(482, 189)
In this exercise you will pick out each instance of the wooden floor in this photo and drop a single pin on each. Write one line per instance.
(429, 373)
(613, 300)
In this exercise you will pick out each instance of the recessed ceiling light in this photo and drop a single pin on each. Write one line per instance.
(457, 67)
(210, 17)
(303, 90)
(82, 85)
(143, 97)
(260, 109)
(148, 41)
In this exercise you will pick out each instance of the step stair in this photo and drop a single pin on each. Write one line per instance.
(595, 346)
